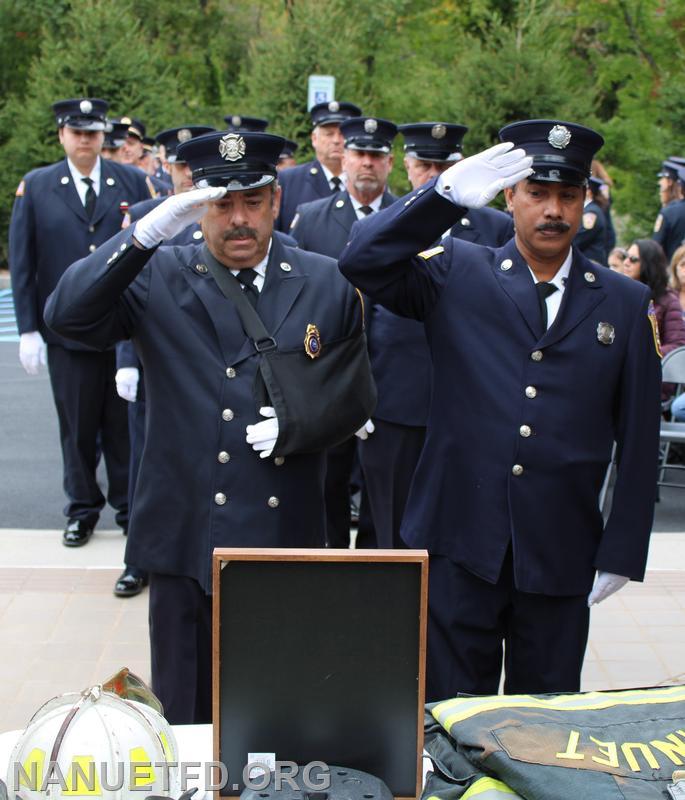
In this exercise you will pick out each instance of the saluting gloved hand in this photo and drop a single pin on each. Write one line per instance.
(366, 430)
(262, 436)
(476, 180)
(126, 380)
(32, 352)
(605, 585)
(174, 215)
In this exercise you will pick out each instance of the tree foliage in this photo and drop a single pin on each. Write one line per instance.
(616, 65)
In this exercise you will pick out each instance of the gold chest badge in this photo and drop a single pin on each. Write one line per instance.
(312, 341)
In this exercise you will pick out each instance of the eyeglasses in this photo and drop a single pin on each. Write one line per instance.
(632, 259)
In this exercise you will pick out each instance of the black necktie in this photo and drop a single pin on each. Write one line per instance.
(337, 183)
(366, 210)
(91, 197)
(544, 291)
(247, 278)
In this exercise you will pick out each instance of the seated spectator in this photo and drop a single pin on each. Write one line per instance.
(678, 275)
(646, 262)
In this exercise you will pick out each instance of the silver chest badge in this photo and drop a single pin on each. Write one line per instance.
(605, 333)
(232, 147)
(559, 137)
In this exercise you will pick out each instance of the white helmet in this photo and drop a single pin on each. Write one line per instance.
(95, 744)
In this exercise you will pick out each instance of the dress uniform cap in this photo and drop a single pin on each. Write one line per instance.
(595, 184)
(669, 169)
(433, 141)
(333, 113)
(115, 133)
(171, 138)
(289, 148)
(136, 128)
(237, 161)
(368, 133)
(237, 122)
(562, 152)
(84, 113)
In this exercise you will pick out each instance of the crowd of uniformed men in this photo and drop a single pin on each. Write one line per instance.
(505, 368)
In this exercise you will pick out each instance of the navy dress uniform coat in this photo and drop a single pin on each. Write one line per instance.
(591, 238)
(522, 421)
(50, 229)
(300, 184)
(669, 228)
(402, 369)
(200, 484)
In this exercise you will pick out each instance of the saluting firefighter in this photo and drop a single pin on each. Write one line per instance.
(61, 213)
(541, 360)
(208, 476)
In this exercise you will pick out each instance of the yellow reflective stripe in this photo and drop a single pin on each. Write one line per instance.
(494, 788)
(461, 708)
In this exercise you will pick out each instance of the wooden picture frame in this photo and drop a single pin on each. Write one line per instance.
(319, 655)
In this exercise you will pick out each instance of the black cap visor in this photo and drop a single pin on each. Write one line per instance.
(370, 145)
(238, 179)
(439, 156)
(556, 169)
(83, 123)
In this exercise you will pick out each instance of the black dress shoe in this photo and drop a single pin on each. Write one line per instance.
(128, 584)
(77, 533)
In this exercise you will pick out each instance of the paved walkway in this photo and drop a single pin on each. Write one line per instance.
(62, 629)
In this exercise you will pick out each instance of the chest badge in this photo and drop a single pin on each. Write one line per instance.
(605, 333)
(312, 341)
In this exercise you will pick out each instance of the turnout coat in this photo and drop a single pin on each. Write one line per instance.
(50, 229)
(522, 421)
(200, 484)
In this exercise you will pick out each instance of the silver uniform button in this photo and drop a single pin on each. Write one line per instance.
(273, 502)
(123, 247)
(110, 181)
(92, 248)
(285, 266)
(227, 415)
(201, 268)
(340, 204)
(465, 222)
(224, 457)
(506, 264)
(531, 392)
(590, 277)
(197, 235)
(230, 372)
(91, 229)
(279, 461)
(525, 431)
(64, 181)
(220, 498)
(517, 469)
(536, 355)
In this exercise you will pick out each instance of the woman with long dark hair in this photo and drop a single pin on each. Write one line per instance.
(646, 262)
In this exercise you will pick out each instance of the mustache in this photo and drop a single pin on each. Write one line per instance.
(556, 227)
(242, 232)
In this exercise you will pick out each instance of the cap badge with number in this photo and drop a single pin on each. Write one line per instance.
(184, 135)
(86, 106)
(605, 333)
(334, 106)
(559, 137)
(232, 147)
(438, 131)
(370, 125)
(312, 341)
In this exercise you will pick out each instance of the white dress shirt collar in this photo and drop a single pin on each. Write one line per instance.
(77, 177)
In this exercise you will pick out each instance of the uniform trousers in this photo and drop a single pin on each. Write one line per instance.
(180, 617)
(91, 416)
(388, 458)
(339, 466)
(470, 619)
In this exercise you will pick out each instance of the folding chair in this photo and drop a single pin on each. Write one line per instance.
(673, 371)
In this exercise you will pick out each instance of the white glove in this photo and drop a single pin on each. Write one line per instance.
(32, 352)
(174, 215)
(366, 430)
(126, 380)
(262, 436)
(475, 181)
(605, 585)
